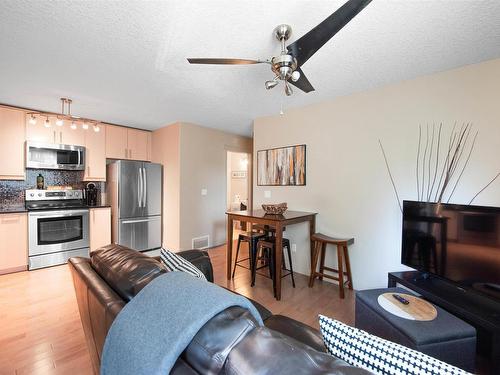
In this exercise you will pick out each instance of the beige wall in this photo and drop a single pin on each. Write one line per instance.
(194, 158)
(203, 166)
(166, 151)
(347, 183)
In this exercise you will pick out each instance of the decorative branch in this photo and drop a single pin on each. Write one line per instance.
(437, 161)
(423, 161)
(480, 191)
(418, 157)
(465, 165)
(445, 164)
(390, 175)
(430, 158)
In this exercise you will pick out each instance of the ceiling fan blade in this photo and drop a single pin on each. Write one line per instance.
(303, 48)
(220, 61)
(302, 83)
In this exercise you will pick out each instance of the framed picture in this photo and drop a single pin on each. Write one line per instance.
(239, 174)
(283, 166)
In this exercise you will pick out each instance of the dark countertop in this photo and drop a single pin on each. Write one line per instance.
(19, 208)
(12, 208)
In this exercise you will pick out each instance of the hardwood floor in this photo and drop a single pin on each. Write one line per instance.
(41, 331)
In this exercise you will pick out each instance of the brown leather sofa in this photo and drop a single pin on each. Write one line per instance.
(230, 343)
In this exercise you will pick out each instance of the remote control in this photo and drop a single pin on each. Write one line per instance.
(400, 299)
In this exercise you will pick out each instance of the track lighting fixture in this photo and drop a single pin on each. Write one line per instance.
(65, 115)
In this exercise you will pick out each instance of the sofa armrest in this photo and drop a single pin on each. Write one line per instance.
(201, 260)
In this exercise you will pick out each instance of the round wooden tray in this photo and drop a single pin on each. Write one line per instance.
(417, 309)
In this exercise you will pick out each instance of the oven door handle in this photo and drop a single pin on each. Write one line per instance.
(64, 213)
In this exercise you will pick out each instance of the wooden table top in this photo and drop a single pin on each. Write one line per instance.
(260, 214)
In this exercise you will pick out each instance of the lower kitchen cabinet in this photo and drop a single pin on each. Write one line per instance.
(100, 227)
(13, 242)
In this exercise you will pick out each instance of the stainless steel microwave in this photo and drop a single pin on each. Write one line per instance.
(54, 156)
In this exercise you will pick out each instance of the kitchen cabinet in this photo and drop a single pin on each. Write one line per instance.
(127, 144)
(116, 142)
(54, 134)
(12, 135)
(38, 132)
(95, 154)
(100, 227)
(67, 136)
(138, 142)
(14, 240)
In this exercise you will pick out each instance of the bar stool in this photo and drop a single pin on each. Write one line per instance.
(251, 238)
(319, 249)
(268, 244)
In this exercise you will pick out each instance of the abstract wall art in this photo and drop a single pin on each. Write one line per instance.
(284, 166)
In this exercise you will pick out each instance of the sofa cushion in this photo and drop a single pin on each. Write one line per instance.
(127, 271)
(375, 354)
(174, 262)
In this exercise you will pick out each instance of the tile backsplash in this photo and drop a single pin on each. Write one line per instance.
(12, 192)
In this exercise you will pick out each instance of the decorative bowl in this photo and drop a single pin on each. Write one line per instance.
(275, 209)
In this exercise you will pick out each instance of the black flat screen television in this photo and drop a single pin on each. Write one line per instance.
(460, 243)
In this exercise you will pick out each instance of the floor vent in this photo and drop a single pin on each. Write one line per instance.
(200, 242)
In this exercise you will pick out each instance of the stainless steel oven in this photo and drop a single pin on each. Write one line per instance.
(56, 235)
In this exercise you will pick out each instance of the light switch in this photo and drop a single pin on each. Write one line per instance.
(204, 191)
(267, 193)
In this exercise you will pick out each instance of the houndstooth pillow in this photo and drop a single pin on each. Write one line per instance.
(175, 262)
(372, 353)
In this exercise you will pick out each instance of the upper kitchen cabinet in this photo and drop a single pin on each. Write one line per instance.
(138, 144)
(127, 144)
(116, 142)
(68, 135)
(38, 130)
(44, 129)
(12, 135)
(95, 154)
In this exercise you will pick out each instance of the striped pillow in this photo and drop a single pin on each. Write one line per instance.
(382, 357)
(174, 262)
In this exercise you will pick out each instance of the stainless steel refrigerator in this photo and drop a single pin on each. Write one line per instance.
(134, 190)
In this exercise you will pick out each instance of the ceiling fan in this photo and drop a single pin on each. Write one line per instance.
(286, 66)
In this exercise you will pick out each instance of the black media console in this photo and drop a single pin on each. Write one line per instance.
(480, 311)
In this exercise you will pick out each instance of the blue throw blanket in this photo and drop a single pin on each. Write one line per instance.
(155, 327)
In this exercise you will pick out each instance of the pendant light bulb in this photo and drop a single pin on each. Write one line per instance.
(47, 123)
(32, 120)
(59, 122)
(270, 84)
(85, 126)
(73, 125)
(97, 128)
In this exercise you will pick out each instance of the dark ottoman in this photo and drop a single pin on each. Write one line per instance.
(446, 338)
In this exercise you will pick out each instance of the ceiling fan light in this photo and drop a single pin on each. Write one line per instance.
(271, 84)
(295, 76)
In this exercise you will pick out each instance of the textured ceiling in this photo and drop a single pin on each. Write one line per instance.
(125, 61)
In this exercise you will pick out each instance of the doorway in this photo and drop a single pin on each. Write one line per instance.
(238, 185)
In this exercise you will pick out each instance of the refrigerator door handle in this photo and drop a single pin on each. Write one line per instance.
(139, 188)
(145, 187)
(135, 221)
